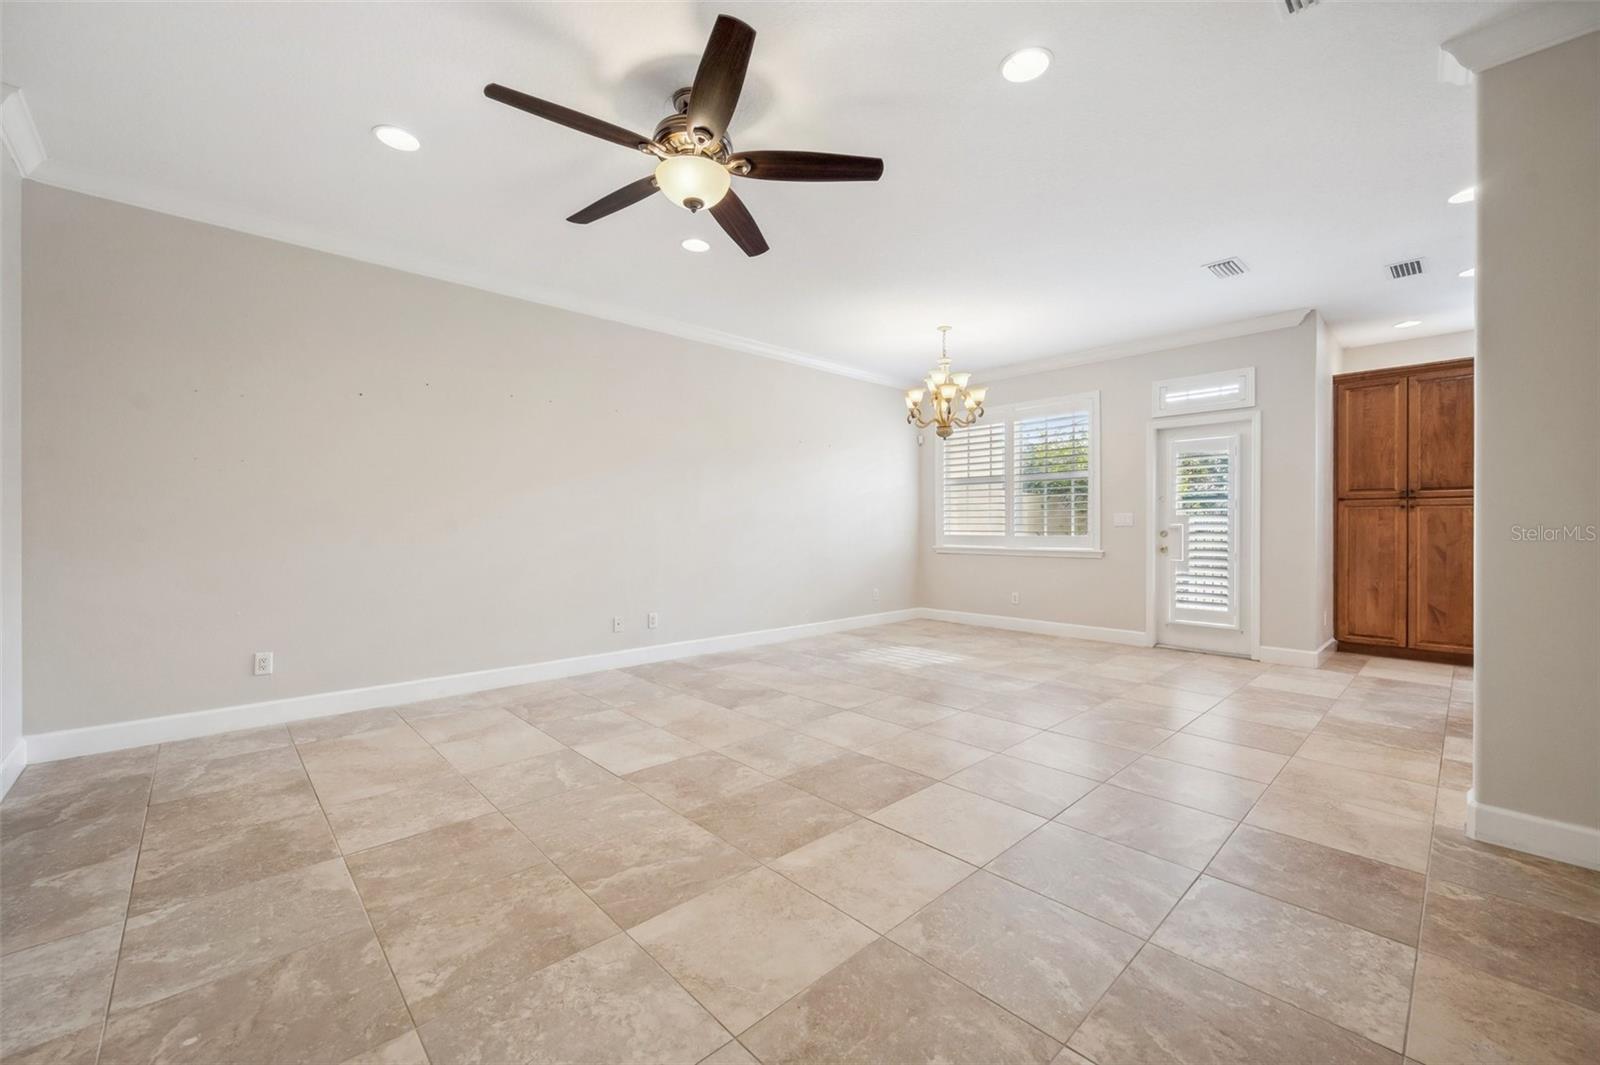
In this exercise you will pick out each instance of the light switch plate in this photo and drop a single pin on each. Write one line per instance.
(1122, 519)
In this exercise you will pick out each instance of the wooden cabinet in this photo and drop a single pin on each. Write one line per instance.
(1403, 510)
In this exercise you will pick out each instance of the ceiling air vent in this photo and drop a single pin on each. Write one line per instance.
(1409, 268)
(1226, 268)
(1294, 7)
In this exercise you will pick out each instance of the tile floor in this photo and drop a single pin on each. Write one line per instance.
(921, 842)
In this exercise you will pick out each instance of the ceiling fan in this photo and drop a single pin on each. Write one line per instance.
(696, 160)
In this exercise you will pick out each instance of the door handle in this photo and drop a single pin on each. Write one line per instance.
(1178, 538)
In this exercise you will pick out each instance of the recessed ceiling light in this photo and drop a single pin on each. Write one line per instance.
(696, 244)
(1409, 323)
(1025, 64)
(1466, 195)
(401, 140)
(1471, 271)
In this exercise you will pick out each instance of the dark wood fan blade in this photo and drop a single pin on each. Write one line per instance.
(565, 116)
(717, 83)
(808, 166)
(613, 202)
(734, 218)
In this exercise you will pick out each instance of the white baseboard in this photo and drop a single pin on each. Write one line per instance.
(1294, 656)
(1131, 637)
(1561, 840)
(98, 739)
(11, 767)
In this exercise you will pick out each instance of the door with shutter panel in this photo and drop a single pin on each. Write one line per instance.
(1204, 546)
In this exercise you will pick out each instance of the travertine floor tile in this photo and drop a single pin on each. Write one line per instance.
(1158, 694)
(1329, 747)
(516, 783)
(1230, 758)
(370, 763)
(1378, 817)
(698, 780)
(379, 819)
(66, 878)
(1028, 786)
(632, 855)
(593, 727)
(195, 942)
(932, 756)
(858, 783)
(786, 710)
(1463, 1015)
(182, 860)
(886, 1005)
(1537, 948)
(1039, 959)
(731, 1054)
(1187, 785)
(443, 860)
(1167, 1011)
(1369, 894)
(907, 713)
(76, 789)
(481, 739)
(1177, 833)
(877, 876)
(1069, 754)
(1163, 717)
(452, 948)
(1358, 980)
(54, 992)
(325, 1002)
(1033, 708)
(267, 767)
(989, 733)
(850, 730)
(781, 752)
(1134, 735)
(403, 1049)
(771, 820)
(1277, 709)
(1119, 885)
(1516, 876)
(610, 1003)
(1246, 733)
(339, 725)
(638, 750)
(744, 948)
(969, 826)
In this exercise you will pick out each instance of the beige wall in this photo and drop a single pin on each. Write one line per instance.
(236, 445)
(1110, 592)
(1538, 379)
(1440, 348)
(10, 453)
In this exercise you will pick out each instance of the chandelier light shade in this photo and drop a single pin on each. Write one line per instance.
(951, 402)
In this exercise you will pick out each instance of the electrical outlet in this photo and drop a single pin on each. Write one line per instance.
(875, 595)
(263, 665)
(616, 624)
(652, 619)
(1016, 597)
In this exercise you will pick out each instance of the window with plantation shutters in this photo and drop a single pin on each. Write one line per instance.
(1023, 480)
(975, 481)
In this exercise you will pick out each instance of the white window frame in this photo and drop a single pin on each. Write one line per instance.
(1242, 380)
(1011, 544)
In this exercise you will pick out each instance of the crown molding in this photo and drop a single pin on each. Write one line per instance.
(1146, 345)
(1530, 28)
(76, 179)
(21, 136)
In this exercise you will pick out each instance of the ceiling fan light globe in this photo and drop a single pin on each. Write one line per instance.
(693, 182)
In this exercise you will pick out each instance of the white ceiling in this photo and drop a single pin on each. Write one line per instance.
(1070, 213)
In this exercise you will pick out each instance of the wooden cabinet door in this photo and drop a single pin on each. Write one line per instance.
(1441, 575)
(1370, 428)
(1440, 432)
(1370, 572)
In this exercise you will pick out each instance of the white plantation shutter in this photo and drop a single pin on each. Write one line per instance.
(1052, 475)
(974, 496)
(1023, 479)
(1204, 493)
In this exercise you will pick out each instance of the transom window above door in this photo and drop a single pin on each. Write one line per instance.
(1024, 480)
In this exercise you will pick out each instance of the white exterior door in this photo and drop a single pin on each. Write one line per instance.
(1203, 553)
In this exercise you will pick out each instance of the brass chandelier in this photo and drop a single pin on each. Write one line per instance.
(946, 392)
